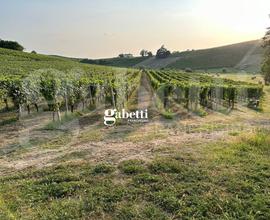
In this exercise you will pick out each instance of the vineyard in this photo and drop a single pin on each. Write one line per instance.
(195, 89)
(134, 110)
(59, 161)
(29, 80)
(62, 84)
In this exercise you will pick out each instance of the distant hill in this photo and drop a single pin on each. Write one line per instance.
(117, 61)
(246, 56)
(154, 63)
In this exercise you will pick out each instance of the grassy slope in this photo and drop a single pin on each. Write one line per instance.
(13, 55)
(221, 184)
(219, 57)
(242, 56)
(22, 63)
(118, 62)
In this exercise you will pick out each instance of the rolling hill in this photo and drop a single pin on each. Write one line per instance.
(117, 61)
(245, 56)
(242, 56)
(21, 63)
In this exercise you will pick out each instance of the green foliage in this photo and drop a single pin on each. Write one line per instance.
(131, 167)
(168, 114)
(117, 62)
(103, 168)
(143, 53)
(166, 166)
(50, 87)
(54, 125)
(62, 83)
(266, 62)
(146, 178)
(194, 89)
(13, 45)
(166, 200)
(104, 197)
(163, 53)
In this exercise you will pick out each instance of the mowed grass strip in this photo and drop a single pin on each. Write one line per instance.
(229, 181)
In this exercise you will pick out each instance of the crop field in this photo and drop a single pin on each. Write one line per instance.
(203, 153)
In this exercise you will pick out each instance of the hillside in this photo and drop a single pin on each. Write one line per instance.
(117, 61)
(194, 147)
(242, 56)
(245, 56)
(154, 63)
(21, 63)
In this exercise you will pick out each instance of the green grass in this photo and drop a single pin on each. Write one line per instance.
(53, 125)
(230, 181)
(205, 60)
(130, 167)
(103, 168)
(220, 57)
(8, 121)
(28, 62)
(168, 114)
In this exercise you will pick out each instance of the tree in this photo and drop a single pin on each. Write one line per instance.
(143, 53)
(266, 62)
(33, 52)
(149, 54)
(163, 52)
(13, 45)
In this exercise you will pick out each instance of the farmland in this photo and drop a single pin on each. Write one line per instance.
(245, 56)
(192, 160)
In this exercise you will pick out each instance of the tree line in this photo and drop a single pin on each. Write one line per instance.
(12, 45)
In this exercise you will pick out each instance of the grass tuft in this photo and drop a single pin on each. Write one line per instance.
(131, 167)
(103, 168)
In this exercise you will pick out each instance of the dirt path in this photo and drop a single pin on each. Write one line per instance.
(144, 93)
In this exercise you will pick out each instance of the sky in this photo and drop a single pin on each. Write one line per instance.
(106, 28)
